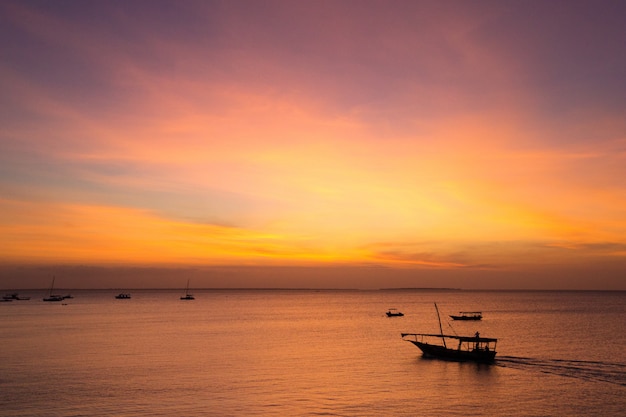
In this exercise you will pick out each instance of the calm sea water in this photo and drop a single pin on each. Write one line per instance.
(299, 353)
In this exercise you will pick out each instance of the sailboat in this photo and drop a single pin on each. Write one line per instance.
(187, 296)
(470, 348)
(53, 297)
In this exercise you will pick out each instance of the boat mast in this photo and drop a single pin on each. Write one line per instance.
(440, 328)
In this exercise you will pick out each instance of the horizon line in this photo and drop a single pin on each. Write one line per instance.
(451, 289)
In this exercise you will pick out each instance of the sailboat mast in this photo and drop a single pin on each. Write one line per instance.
(440, 328)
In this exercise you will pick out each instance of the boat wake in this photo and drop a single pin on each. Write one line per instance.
(608, 372)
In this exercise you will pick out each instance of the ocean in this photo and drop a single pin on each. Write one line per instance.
(309, 353)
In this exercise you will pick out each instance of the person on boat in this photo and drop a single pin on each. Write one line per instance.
(477, 343)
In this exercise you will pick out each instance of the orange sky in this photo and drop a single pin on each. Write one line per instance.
(426, 140)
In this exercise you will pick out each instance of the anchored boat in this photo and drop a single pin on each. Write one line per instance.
(51, 296)
(468, 315)
(187, 296)
(392, 312)
(14, 296)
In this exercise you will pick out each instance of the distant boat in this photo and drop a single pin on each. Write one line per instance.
(187, 296)
(392, 312)
(468, 315)
(123, 296)
(14, 296)
(53, 297)
(470, 348)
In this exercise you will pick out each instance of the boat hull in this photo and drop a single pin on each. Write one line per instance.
(441, 352)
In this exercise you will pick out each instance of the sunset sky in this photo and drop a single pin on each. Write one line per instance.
(474, 144)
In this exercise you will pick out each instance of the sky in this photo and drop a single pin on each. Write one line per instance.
(361, 144)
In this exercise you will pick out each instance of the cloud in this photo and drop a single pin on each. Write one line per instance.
(300, 132)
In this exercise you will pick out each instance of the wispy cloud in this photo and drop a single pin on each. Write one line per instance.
(300, 133)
